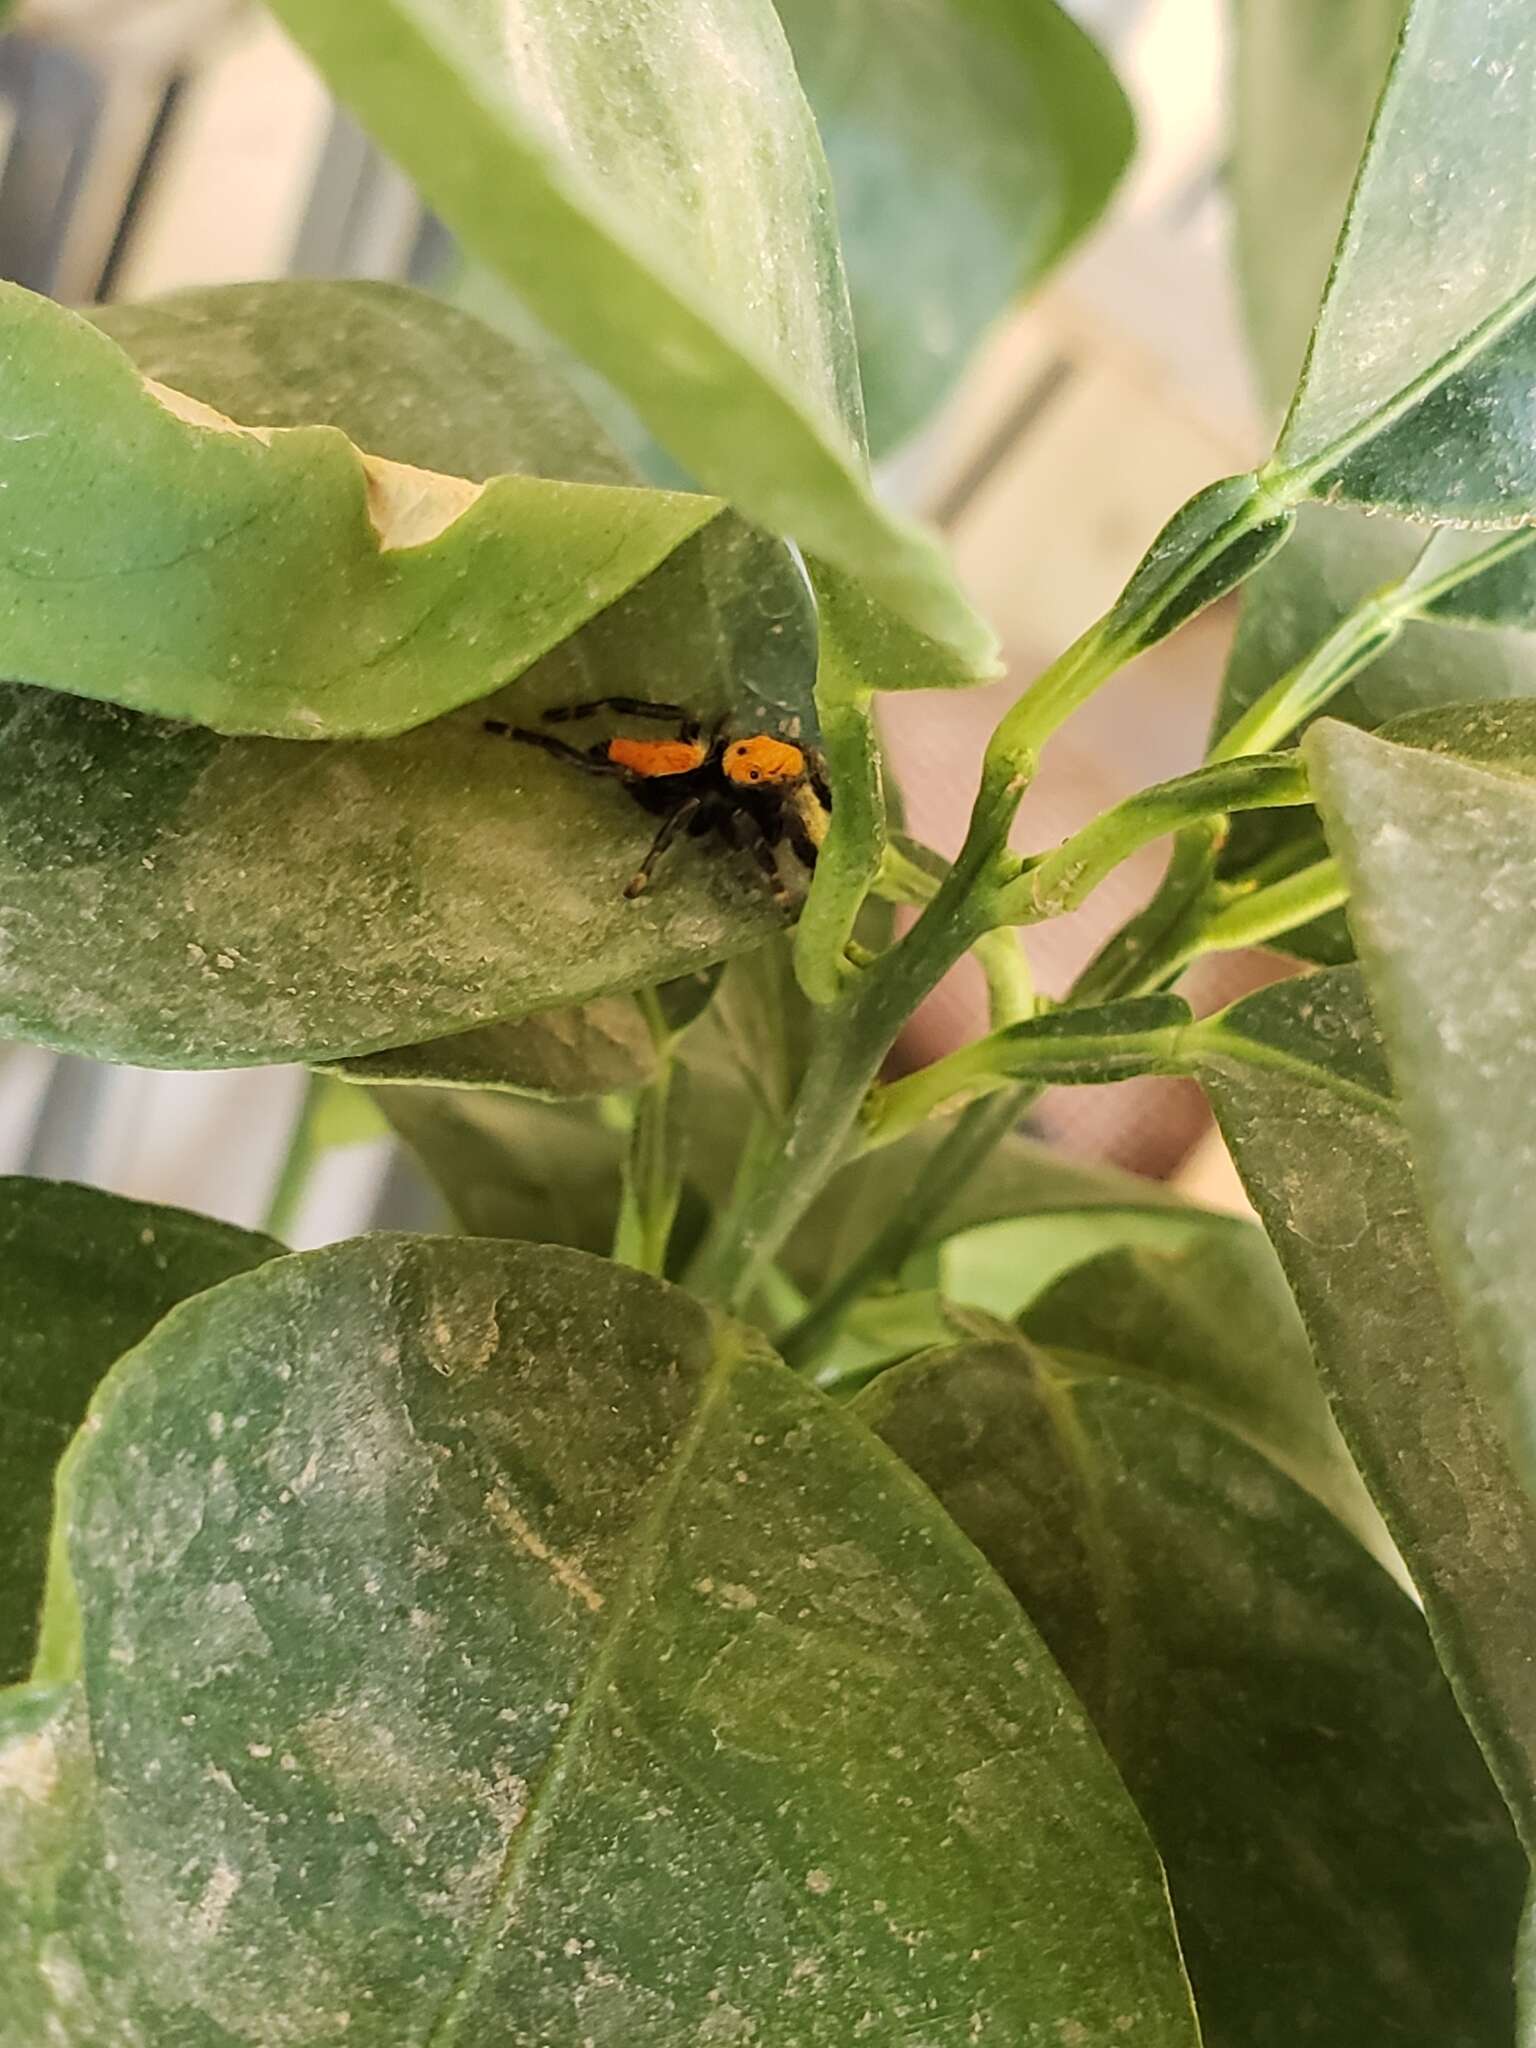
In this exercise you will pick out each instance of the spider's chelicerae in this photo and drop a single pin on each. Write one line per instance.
(757, 791)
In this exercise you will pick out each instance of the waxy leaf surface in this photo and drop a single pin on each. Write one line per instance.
(648, 176)
(1342, 1869)
(510, 1638)
(83, 1276)
(268, 572)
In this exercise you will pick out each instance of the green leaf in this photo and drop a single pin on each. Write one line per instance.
(510, 1165)
(210, 902)
(410, 378)
(1307, 76)
(736, 1733)
(1024, 1193)
(83, 1276)
(399, 373)
(1417, 389)
(1299, 1082)
(558, 1054)
(289, 580)
(1435, 825)
(678, 234)
(970, 143)
(1340, 1865)
(1210, 1319)
(214, 902)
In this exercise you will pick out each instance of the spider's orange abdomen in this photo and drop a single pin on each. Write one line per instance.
(763, 760)
(648, 758)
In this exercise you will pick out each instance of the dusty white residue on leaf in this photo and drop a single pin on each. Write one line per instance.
(208, 1916)
(407, 507)
(462, 1334)
(226, 1625)
(60, 1970)
(564, 1570)
(30, 1767)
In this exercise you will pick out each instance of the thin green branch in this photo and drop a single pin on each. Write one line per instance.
(652, 1175)
(1010, 984)
(965, 1147)
(1063, 879)
(293, 1176)
(1117, 1041)
(850, 858)
(1253, 919)
(1359, 639)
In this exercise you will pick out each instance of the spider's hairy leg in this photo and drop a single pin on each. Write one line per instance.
(671, 825)
(628, 707)
(593, 761)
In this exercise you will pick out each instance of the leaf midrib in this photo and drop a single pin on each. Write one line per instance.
(1303, 478)
(527, 1838)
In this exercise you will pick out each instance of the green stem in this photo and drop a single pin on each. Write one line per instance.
(1270, 912)
(1136, 959)
(1010, 984)
(1055, 1048)
(1359, 639)
(1209, 546)
(652, 1177)
(1302, 692)
(846, 1057)
(1063, 879)
(298, 1162)
(850, 859)
(964, 1148)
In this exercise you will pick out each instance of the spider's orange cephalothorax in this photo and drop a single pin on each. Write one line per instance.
(768, 762)
(648, 758)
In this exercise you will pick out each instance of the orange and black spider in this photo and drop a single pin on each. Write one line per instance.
(757, 792)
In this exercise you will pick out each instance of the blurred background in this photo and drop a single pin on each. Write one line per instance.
(150, 144)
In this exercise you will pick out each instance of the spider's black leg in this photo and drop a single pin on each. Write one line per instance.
(629, 707)
(671, 825)
(743, 830)
(816, 769)
(594, 761)
(804, 846)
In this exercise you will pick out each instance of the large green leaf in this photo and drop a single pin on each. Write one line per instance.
(83, 1276)
(1434, 823)
(1306, 79)
(1212, 1321)
(216, 902)
(970, 142)
(1342, 1870)
(210, 901)
(560, 1658)
(1300, 1084)
(648, 176)
(206, 901)
(1417, 389)
(280, 576)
